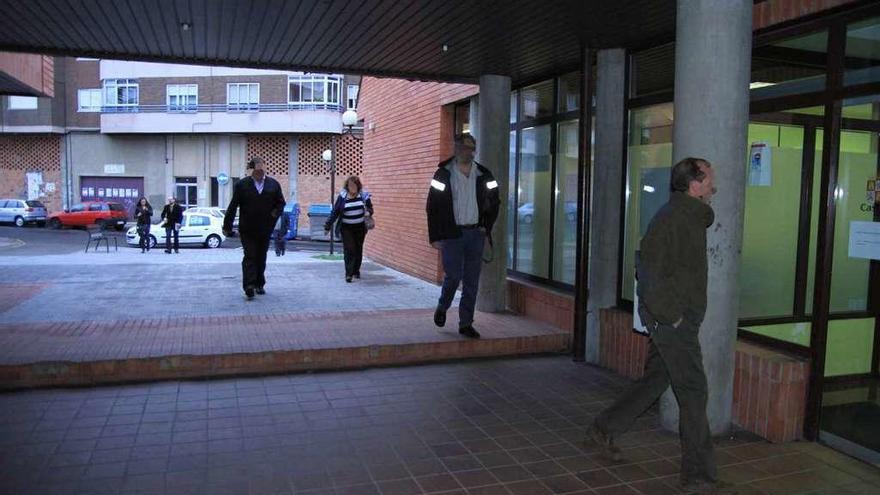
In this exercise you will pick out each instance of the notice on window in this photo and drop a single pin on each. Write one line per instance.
(864, 240)
(760, 165)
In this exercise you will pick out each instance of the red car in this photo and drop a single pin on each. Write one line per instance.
(100, 213)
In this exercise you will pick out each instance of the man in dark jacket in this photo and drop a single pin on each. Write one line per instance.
(672, 279)
(462, 208)
(172, 218)
(261, 202)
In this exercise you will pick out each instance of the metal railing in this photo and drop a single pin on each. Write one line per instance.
(223, 107)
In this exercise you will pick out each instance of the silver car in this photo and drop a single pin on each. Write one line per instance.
(21, 212)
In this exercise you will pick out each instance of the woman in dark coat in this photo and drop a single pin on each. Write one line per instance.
(143, 213)
(354, 210)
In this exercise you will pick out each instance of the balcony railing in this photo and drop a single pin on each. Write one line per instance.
(223, 107)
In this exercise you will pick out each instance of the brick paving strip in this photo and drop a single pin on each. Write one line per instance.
(92, 352)
(12, 294)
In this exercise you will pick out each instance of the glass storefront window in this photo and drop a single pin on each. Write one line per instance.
(565, 194)
(772, 210)
(533, 211)
(513, 115)
(649, 162)
(569, 92)
(511, 198)
(857, 164)
(788, 67)
(537, 101)
(862, 52)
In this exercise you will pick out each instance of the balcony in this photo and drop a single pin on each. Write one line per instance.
(223, 118)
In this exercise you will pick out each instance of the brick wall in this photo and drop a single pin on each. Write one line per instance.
(20, 155)
(769, 388)
(80, 74)
(405, 137)
(541, 303)
(313, 179)
(773, 12)
(212, 90)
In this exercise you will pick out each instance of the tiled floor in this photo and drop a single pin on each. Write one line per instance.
(479, 427)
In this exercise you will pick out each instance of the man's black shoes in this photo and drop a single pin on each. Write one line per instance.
(469, 332)
(261, 291)
(605, 442)
(439, 316)
(249, 292)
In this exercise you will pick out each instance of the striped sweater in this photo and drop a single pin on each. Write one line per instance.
(350, 211)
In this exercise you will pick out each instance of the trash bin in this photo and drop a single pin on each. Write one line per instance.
(292, 212)
(318, 215)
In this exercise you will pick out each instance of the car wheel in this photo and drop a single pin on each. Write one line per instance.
(119, 228)
(571, 217)
(527, 219)
(213, 241)
(19, 222)
(100, 224)
(152, 241)
(54, 223)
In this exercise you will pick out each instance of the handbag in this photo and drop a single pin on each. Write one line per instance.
(369, 223)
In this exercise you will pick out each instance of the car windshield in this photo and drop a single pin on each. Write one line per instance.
(116, 207)
(35, 204)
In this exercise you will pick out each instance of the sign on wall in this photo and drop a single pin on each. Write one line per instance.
(864, 240)
(114, 168)
(760, 165)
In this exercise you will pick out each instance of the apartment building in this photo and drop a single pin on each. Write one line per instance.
(118, 130)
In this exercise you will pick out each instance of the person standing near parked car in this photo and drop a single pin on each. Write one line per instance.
(172, 217)
(143, 214)
(354, 208)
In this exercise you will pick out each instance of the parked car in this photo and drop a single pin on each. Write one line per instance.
(217, 212)
(197, 228)
(104, 214)
(21, 212)
(526, 211)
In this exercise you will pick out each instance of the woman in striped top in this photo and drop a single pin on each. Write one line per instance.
(352, 206)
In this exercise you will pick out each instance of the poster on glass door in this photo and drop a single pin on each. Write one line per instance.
(760, 165)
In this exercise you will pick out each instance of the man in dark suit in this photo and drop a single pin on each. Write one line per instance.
(261, 202)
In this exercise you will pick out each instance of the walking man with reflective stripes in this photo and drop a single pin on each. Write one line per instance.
(462, 207)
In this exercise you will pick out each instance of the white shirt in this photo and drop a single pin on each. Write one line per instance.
(260, 185)
(464, 196)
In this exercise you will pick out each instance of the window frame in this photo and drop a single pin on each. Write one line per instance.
(238, 106)
(16, 102)
(115, 85)
(173, 91)
(351, 100)
(89, 108)
(330, 90)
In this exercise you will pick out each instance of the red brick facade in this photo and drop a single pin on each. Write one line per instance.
(773, 12)
(20, 155)
(407, 133)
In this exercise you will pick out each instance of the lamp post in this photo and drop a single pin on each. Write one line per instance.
(329, 156)
(349, 120)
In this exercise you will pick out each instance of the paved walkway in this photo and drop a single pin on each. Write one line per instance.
(494, 427)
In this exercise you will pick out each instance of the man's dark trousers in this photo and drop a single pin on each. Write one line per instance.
(674, 356)
(462, 261)
(169, 233)
(253, 264)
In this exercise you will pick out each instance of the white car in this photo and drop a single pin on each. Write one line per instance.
(197, 228)
(215, 211)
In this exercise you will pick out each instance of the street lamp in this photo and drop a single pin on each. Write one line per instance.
(329, 156)
(349, 120)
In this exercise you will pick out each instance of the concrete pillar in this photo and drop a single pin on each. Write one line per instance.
(224, 157)
(712, 68)
(608, 176)
(169, 166)
(492, 152)
(293, 169)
